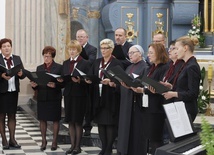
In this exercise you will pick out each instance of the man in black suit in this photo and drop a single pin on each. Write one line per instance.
(88, 53)
(121, 47)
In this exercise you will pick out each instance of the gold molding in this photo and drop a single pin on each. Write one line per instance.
(93, 14)
(75, 11)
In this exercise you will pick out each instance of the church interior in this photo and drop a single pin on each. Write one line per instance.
(34, 24)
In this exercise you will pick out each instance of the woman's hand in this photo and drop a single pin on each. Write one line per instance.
(33, 84)
(4, 76)
(138, 89)
(170, 94)
(76, 79)
(124, 85)
(60, 80)
(166, 84)
(20, 73)
(151, 89)
(112, 84)
(105, 81)
(88, 81)
(51, 84)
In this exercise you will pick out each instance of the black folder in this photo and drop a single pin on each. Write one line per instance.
(93, 78)
(119, 74)
(40, 77)
(110, 76)
(11, 72)
(118, 52)
(159, 88)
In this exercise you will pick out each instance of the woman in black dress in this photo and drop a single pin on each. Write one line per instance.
(130, 132)
(49, 97)
(153, 115)
(75, 94)
(9, 90)
(185, 86)
(106, 98)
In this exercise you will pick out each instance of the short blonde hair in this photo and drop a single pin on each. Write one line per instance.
(109, 42)
(75, 44)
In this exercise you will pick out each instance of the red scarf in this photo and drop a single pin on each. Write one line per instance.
(103, 65)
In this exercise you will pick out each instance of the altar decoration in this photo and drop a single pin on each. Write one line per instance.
(204, 96)
(197, 31)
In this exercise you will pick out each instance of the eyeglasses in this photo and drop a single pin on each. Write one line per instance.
(132, 52)
(105, 48)
(171, 49)
(80, 37)
(46, 57)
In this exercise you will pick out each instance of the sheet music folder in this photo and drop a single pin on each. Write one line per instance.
(13, 71)
(159, 88)
(118, 52)
(119, 74)
(179, 123)
(40, 77)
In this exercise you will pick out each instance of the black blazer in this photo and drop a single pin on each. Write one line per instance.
(46, 93)
(110, 98)
(187, 86)
(72, 88)
(91, 52)
(156, 100)
(4, 83)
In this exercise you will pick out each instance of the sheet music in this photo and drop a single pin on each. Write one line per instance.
(54, 75)
(80, 72)
(178, 118)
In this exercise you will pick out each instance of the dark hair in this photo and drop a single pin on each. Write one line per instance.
(5, 40)
(160, 52)
(172, 42)
(121, 29)
(49, 49)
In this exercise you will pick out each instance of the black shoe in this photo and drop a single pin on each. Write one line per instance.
(69, 151)
(77, 151)
(43, 146)
(5, 147)
(14, 145)
(53, 148)
(87, 133)
(101, 152)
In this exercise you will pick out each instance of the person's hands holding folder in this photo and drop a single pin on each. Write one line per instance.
(76, 79)
(138, 89)
(170, 94)
(20, 73)
(112, 84)
(4, 76)
(105, 81)
(166, 84)
(51, 84)
(33, 84)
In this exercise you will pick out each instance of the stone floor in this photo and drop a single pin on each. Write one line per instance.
(29, 137)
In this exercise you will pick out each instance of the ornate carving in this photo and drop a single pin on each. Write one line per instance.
(75, 11)
(159, 25)
(130, 32)
(93, 14)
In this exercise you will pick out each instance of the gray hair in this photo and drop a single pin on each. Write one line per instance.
(109, 42)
